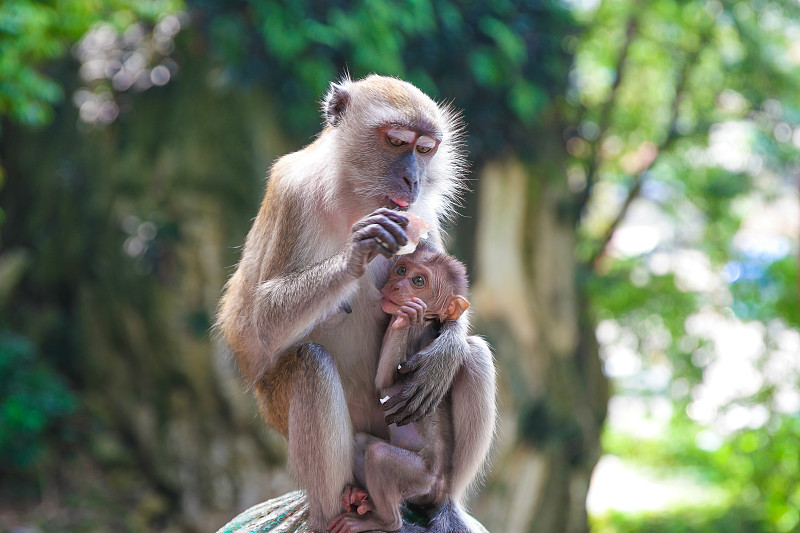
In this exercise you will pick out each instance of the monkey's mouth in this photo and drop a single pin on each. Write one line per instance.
(391, 301)
(397, 203)
(389, 306)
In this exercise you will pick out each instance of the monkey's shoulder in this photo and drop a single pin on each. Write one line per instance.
(305, 171)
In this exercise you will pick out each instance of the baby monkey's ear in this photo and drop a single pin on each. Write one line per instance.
(455, 307)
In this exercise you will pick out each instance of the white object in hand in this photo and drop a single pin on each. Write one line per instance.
(417, 229)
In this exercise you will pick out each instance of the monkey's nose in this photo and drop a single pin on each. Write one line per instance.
(411, 179)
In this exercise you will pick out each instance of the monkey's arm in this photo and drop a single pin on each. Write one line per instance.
(393, 352)
(287, 306)
(431, 373)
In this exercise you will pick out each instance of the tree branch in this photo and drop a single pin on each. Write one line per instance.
(665, 145)
(595, 158)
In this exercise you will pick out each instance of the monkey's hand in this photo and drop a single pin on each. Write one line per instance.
(410, 313)
(381, 232)
(429, 375)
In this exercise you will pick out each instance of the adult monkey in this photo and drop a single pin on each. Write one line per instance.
(302, 312)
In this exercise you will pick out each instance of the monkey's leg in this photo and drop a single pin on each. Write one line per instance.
(474, 414)
(304, 399)
(362, 443)
(357, 499)
(391, 474)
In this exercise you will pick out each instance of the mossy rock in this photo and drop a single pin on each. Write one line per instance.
(288, 514)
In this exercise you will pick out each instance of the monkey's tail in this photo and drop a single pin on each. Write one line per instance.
(451, 518)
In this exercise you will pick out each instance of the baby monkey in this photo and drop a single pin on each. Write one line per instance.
(425, 289)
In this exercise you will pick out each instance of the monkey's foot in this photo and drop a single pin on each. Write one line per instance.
(356, 499)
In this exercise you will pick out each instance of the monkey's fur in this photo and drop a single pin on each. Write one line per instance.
(314, 251)
(425, 290)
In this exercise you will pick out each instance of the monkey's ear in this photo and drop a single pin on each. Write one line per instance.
(336, 101)
(457, 305)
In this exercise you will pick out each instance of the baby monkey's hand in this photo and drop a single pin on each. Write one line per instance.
(410, 313)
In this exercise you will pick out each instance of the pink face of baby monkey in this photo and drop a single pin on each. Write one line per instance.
(437, 279)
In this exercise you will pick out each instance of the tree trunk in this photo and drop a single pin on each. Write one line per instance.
(131, 233)
(528, 302)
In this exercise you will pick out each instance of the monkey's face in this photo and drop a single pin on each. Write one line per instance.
(390, 166)
(390, 139)
(406, 153)
(410, 279)
(435, 278)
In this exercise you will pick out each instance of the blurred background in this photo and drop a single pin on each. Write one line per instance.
(631, 235)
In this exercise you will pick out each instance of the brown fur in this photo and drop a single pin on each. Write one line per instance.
(311, 365)
(431, 462)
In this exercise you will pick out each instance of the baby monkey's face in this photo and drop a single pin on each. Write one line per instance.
(409, 279)
(425, 284)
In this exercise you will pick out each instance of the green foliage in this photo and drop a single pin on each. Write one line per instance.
(502, 62)
(33, 401)
(755, 467)
(32, 34)
(765, 292)
(686, 114)
(719, 519)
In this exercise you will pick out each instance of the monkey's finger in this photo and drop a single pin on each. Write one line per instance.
(412, 307)
(397, 216)
(393, 419)
(408, 312)
(394, 401)
(381, 220)
(403, 416)
(426, 407)
(416, 411)
(403, 410)
(382, 237)
(383, 250)
(396, 229)
(416, 312)
(409, 366)
(339, 524)
(387, 223)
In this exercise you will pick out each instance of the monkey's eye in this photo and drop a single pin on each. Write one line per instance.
(419, 281)
(401, 270)
(395, 141)
(400, 136)
(425, 144)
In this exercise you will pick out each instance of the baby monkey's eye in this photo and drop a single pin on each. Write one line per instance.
(401, 270)
(419, 281)
(423, 149)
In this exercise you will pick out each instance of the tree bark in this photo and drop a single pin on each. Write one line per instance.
(528, 302)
